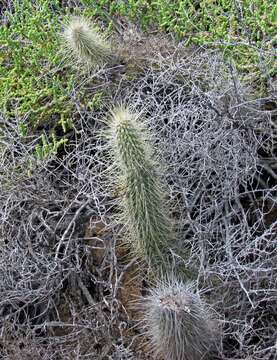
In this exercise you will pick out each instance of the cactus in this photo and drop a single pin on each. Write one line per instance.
(85, 43)
(177, 323)
(143, 200)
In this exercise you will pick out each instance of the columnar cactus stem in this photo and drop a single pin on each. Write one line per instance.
(84, 42)
(177, 322)
(143, 201)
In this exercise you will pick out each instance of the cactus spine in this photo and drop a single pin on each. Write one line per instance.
(85, 43)
(177, 322)
(143, 201)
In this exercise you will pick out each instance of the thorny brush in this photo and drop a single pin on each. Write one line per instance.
(217, 140)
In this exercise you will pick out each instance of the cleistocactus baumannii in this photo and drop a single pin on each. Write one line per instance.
(84, 43)
(178, 324)
(142, 201)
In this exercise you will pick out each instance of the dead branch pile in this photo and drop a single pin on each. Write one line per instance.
(61, 271)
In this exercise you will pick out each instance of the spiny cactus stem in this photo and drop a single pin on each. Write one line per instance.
(143, 201)
(177, 322)
(85, 43)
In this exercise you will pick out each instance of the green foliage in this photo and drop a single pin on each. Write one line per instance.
(31, 81)
(238, 27)
(48, 148)
(96, 101)
(35, 84)
(143, 201)
(202, 20)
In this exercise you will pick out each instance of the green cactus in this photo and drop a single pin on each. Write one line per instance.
(143, 200)
(85, 43)
(177, 323)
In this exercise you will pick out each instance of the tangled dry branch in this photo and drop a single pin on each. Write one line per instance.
(61, 270)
